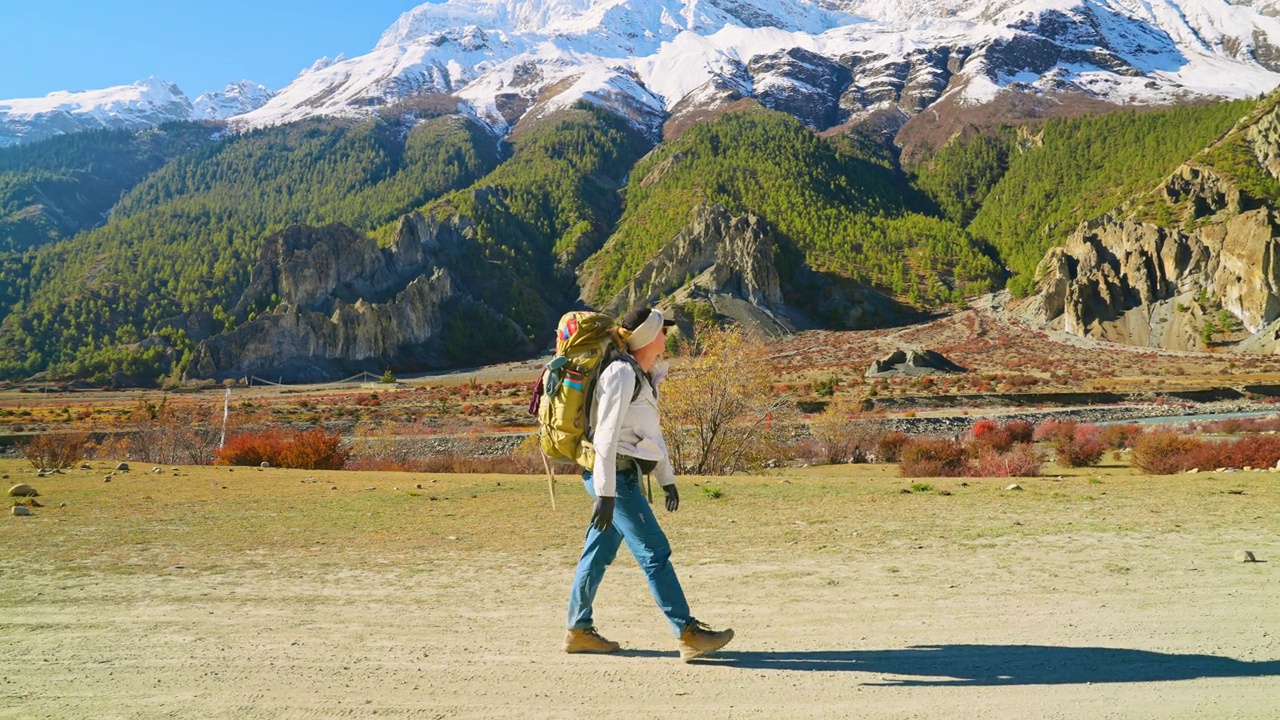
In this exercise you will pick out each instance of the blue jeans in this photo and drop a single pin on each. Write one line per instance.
(633, 521)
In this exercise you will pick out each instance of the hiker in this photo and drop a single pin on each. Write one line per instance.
(628, 443)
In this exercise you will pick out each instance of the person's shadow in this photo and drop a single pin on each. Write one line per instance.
(952, 665)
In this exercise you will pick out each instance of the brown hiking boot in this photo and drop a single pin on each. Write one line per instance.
(588, 641)
(699, 640)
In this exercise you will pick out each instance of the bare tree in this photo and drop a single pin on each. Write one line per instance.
(841, 434)
(720, 412)
(169, 432)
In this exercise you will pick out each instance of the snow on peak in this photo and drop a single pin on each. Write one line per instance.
(235, 99)
(506, 57)
(145, 103)
(577, 17)
(143, 95)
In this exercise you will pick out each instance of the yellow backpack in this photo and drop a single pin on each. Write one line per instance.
(586, 342)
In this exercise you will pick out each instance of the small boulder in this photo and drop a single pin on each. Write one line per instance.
(21, 511)
(23, 490)
(266, 464)
(106, 479)
(122, 467)
(1245, 556)
(1013, 486)
(1193, 471)
(157, 470)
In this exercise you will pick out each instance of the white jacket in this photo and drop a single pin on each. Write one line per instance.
(625, 427)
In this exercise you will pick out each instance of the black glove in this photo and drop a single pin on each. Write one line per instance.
(673, 497)
(602, 514)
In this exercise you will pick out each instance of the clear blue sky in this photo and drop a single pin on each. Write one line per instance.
(48, 45)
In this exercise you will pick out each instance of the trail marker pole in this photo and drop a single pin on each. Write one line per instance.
(226, 410)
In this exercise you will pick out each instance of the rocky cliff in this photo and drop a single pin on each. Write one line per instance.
(1211, 278)
(728, 262)
(335, 303)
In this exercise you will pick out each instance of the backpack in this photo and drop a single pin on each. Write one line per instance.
(586, 342)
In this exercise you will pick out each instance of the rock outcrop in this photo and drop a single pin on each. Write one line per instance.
(912, 363)
(722, 259)
(342, 304)
(727, 261)
(1143, 284)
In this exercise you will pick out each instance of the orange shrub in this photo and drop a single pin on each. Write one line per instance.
(314, 449)
(1258, 452)
(310, 450)
(252, 448)
(889, 446)
(55, 450)
(1164, 452)
(1119, 437)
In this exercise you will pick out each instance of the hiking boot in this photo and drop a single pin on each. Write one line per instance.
(699, 640)
(588, 641)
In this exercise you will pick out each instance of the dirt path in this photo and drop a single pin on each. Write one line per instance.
(864, 613)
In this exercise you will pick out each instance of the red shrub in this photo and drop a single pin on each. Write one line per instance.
(1164, 452)
(989, 434)
(1020, 431)
(1020, 461)
(1208, 456)
(1078, 445)
(1047, 430)
(1259, 452)
(984, 427)
(889, 446)
(1238, 425)
(933, 457)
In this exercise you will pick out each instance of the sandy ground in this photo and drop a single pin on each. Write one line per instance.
(860, 614)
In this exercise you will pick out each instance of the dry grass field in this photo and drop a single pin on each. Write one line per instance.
(212, 593)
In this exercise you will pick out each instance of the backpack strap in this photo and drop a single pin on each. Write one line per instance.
(618, 356)
(626, 357)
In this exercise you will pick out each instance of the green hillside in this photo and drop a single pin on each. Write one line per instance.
(55, 188)
(575, 196)
(542, 211)
(185, 238)
(848, 216)
(1069, 171)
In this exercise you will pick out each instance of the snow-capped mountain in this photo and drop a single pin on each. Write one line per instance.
(827, 61)
(144, 104)
(237, 98)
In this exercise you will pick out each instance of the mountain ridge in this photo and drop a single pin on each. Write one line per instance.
(661, 53)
